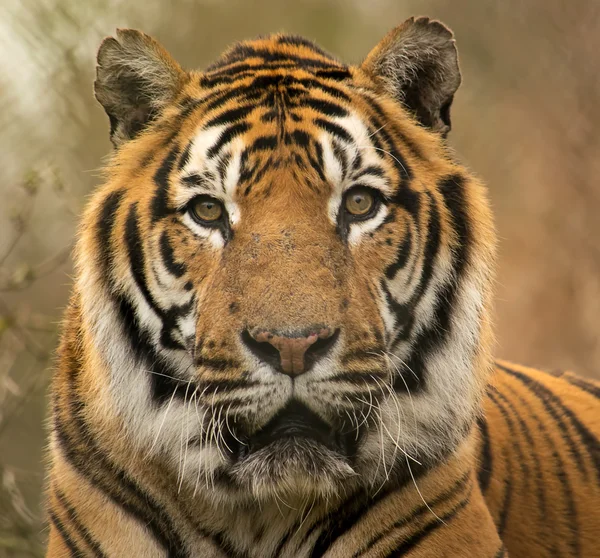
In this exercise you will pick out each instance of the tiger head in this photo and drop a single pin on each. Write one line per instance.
(286, 276)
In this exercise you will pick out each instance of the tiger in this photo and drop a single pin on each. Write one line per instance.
(279, 341)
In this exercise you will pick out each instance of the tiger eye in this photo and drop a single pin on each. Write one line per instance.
(206, 209)
(359, 202)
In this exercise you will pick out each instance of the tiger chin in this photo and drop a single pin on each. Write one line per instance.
(279, 341)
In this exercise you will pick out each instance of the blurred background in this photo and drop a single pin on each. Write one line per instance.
(525, 120)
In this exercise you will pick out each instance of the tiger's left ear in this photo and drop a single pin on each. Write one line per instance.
(417, 63)
(136, 78)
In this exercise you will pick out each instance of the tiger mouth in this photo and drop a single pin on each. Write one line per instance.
(298, 425)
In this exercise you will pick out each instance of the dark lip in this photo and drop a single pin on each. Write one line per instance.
(295, 421)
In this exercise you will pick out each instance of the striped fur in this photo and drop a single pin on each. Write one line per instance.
(159, 398)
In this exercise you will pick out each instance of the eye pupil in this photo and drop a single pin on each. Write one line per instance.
(360, 202)
(206, 209)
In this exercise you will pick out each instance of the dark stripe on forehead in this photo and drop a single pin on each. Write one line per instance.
(231, 115)
(334, 129)
(295, 40)
(263, 143)
(228, 135)
(160, 207)
(328, 108)
(243, 51)
(185, 156)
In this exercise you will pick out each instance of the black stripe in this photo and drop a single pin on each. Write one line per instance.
(195, 179)
(238, 94)
(328, 108)
(341, 520)
(589, 387)
(414, 541)
(335, 92)
(486, 460)
(219, 364)
(139, 340)
(430, 337)
(402, 167)
(74, 550)
(417, 513)
(300, 138)
(530, 448)
(243, 51)
(175, 268)
(227, 135)
(162, 384)
(295, 40)
(185, 156)
(229, 116)
(561, 474)
(403, 313)
(359, 377)
(556, 408)
(340, 154)
(371, 170)
(160, 205)
(432, 246)
(318, 163)
(453, 190)
(513, 436)
(263, 143)
(82, 531)
(81, 450)
(402, 256)
(135, 254)
(104, 230)
(334, 129)
(390, 123)
(337, 75)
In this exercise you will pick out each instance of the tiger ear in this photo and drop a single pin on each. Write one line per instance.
(417, 63)
(135, 79)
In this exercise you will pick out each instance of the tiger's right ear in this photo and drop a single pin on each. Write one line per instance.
(135, 79)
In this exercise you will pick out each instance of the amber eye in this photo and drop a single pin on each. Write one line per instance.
(359, 202)
(206, 209)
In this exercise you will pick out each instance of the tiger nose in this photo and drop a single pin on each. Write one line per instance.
(291, 353)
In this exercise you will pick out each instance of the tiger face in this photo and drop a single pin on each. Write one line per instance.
(286, 277)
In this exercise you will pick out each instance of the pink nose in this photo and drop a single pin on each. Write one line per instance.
(294, 350)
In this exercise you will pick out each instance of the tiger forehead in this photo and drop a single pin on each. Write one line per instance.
(232, 156)
(277, 51)
(279, 104)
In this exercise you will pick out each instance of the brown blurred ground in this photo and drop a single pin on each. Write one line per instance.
(525, 120)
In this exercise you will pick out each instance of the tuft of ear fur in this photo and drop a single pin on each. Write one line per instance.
(417, 63)
(135, 79)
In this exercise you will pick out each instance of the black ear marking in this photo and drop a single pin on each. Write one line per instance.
(417, 63)
(135, 79)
